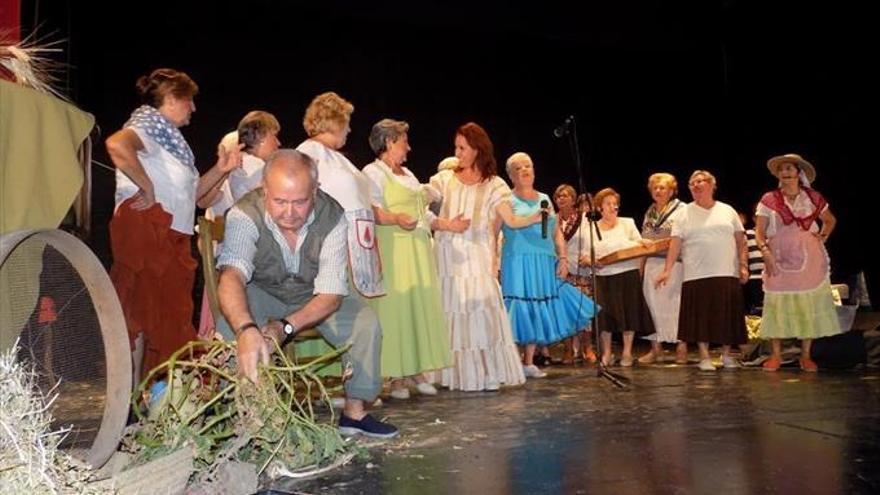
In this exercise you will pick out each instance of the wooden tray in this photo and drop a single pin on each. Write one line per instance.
(636, 252)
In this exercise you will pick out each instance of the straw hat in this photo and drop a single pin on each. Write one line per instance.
(776, 162)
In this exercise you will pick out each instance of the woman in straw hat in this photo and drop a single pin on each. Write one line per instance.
(792, 224)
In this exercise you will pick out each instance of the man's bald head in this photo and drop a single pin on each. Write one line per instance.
(288, 164)
(290, 180)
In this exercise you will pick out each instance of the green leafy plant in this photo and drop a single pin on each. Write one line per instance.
(225, 417)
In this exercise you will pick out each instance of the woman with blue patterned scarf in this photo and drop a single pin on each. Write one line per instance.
(157, 188)
(664, 302)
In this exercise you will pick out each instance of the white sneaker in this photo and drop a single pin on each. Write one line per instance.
(532, 371)
(400, 393)
(492, 386)
(730, 363)
(426, 388)
(706, 365)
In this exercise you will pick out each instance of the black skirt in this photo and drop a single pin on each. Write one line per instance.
(623, 304)
(712, 311)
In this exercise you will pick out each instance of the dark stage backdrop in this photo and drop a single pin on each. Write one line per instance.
(655, 86)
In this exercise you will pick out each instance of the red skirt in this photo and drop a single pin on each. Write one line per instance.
(153, 272)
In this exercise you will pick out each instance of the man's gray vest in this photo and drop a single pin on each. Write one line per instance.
(270, 274)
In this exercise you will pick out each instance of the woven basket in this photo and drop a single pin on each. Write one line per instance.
(166, 475)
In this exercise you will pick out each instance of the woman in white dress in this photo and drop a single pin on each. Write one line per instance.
(663, 301)
(484, 353)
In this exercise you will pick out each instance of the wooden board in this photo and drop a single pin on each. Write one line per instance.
(636, 252)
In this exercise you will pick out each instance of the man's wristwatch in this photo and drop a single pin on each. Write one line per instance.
(288, 328)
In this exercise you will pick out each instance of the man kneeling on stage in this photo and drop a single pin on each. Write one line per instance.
(283, 268)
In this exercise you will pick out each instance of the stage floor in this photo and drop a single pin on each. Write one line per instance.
(675, 430)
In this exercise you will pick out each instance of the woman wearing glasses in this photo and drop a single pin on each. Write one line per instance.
(711, 239)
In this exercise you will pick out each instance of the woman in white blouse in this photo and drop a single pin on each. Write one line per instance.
(619, 285)
(327, 122)
(711, 239)
(157, 188)
(258, 134)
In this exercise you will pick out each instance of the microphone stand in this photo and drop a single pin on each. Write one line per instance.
(602, 371)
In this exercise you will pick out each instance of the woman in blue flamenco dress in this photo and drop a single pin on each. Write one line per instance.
(543, 308)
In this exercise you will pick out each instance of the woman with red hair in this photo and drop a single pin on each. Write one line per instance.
(475, 201)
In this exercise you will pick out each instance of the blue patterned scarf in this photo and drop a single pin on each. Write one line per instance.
(161, 130)
(655, 221)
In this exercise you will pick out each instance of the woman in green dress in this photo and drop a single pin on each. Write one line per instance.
(415, 338)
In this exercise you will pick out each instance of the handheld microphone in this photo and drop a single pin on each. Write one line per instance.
(544, 206)
(562, 130)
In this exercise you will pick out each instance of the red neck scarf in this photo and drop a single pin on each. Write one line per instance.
(572, 222)
(775, 200)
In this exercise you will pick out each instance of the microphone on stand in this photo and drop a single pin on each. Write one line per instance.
(593, 214)
(563, 128)
(544, 206)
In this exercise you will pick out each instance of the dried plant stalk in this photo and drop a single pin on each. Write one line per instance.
(30, 458)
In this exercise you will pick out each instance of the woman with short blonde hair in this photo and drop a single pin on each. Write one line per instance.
(543, 309)
(663, 301)
(326, 121)
(327, 113)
